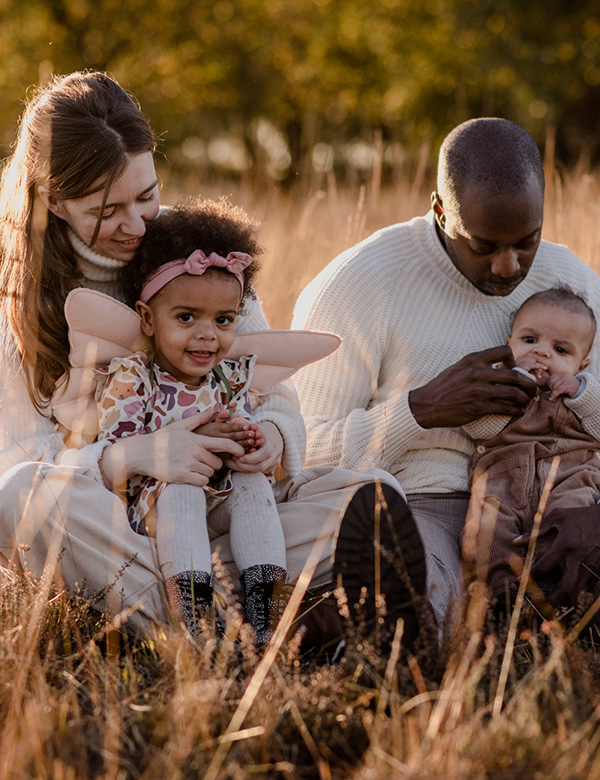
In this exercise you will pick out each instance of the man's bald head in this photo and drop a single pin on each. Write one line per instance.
(489, 208)
(491, 156)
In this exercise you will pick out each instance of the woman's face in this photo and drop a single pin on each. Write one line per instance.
(132, 201)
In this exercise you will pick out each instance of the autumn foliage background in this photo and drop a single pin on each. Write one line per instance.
(322, 118)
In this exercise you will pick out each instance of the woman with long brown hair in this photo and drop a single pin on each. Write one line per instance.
(75, 198)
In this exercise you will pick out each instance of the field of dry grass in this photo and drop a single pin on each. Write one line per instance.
(302, 232)
(519, 702)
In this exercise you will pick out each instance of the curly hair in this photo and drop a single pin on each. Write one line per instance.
(209, 225)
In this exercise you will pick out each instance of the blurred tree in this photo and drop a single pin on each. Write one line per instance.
(243, 83)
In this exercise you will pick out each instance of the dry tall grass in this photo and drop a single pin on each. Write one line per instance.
(519, 702)
(302, 232)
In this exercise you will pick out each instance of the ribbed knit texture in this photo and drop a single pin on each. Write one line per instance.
(281, 405)
(255, 529)
(96, 268)
(405, 313)
(182, 534)
(248, 513)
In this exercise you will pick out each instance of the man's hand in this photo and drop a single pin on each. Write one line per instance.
(471, 389)
(575, 551)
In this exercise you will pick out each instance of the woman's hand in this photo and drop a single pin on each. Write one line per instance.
(174, 453)
(264, 459)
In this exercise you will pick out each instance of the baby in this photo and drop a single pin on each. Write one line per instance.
(551, 336)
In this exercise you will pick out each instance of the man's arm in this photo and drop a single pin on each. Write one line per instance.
(348, 425)
(345, 424)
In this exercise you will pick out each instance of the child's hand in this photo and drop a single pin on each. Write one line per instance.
(222, 426)
(265, 456)
(259, 437)
(563, 384)
(254, 437)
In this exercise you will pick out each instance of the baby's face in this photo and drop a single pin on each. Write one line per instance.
(547, 339)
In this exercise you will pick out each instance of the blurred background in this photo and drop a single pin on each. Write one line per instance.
(297, 87)
(327, 110)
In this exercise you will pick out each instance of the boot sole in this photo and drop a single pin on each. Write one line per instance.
(378, 548)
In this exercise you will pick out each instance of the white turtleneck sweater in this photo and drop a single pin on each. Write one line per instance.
(405, 313)
(27, 435)
(99, 272)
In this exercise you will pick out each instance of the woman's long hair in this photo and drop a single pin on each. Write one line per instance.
(78, 129)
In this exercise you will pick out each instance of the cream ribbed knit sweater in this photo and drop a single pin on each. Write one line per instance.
(25, 434)
(405, 313)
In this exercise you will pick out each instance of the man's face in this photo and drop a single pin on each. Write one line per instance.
(494, 238)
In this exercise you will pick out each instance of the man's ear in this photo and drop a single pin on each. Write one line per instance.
(438, 208)
(50, 201)
(145, 313)
(584, 364)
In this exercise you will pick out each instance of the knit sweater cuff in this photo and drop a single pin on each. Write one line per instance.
(587, 405)
(487, 427)
(293, 444)
(280, 407)
(86, 457)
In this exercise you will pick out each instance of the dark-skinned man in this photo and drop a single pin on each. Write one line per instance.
(424, 308)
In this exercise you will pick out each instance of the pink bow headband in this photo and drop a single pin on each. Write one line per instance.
(195, 264)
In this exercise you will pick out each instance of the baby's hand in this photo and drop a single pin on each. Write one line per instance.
(563, 384)
(259, 437)
(532, 365)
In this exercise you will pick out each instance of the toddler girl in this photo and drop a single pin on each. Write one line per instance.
(190, 279)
